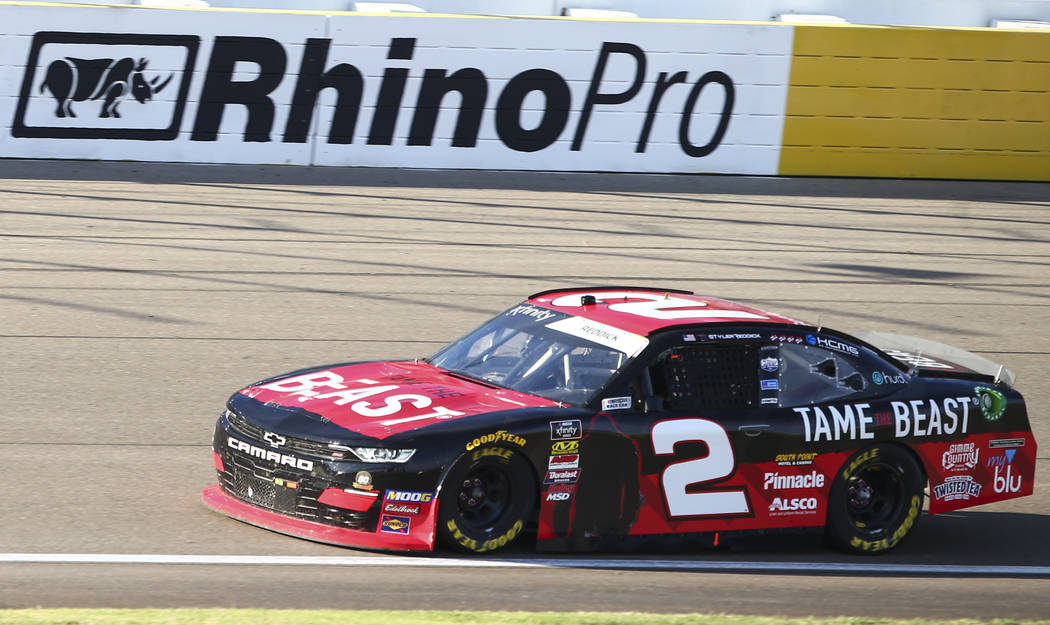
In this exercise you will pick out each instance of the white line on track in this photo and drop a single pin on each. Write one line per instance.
(713, 566)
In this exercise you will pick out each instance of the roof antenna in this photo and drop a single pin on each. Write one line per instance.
(820, 324)
(999, 375)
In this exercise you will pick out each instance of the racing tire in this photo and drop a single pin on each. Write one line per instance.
(486, 500)
(875, 500)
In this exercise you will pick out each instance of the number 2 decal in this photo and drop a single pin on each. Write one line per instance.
(718, 464)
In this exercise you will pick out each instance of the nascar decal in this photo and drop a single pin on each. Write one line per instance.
(566, 430)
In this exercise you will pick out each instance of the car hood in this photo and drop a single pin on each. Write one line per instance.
(381, 399)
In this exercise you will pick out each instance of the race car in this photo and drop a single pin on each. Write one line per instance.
(617, 417)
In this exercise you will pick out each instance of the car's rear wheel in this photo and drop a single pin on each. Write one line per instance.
(486, 500)
(875, 500)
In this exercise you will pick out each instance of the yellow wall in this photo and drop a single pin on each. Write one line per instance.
(918, 103)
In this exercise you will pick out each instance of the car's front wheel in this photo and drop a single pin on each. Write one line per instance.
(875, 500)
(486, 500)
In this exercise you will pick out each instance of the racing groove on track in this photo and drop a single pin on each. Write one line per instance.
(135, 298)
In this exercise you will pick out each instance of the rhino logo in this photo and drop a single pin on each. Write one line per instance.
(77, 80)
(75, 86)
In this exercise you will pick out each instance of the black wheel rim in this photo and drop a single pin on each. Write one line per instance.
(483, 497)
(874, 498)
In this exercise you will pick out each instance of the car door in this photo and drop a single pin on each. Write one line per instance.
(702, 395)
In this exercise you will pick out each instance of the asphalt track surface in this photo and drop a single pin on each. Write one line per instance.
(134, 298)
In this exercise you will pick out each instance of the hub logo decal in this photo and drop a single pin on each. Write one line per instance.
(880, 378)
(105, 86)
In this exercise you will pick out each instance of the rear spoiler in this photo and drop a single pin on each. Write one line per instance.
(931, 356)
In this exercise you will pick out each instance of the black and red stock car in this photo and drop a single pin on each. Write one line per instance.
(597, 417)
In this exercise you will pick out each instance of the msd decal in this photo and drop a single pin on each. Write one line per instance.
(105, 86)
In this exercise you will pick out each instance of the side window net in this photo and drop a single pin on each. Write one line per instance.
(712, 377)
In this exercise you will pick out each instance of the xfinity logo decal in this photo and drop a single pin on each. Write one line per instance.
(108, 86)
(105, 86)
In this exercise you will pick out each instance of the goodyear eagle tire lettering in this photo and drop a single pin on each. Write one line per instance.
(486, 500)
(875, 500)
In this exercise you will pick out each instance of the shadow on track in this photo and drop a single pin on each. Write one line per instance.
(175, 173)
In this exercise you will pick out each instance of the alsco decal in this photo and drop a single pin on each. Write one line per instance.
(331, 387)
(270, 455)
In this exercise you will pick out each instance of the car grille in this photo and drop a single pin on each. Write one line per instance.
(300, 446)
(286, 492)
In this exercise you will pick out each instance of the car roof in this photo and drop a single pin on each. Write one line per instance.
(644, 310)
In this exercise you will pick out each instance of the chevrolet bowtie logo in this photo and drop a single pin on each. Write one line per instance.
(274, 439)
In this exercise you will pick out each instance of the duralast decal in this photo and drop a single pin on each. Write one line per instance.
(917, 417)
(530, 111)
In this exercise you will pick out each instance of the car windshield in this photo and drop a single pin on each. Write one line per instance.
(541, 352)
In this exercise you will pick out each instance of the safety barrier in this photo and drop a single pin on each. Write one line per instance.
(474, 92)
